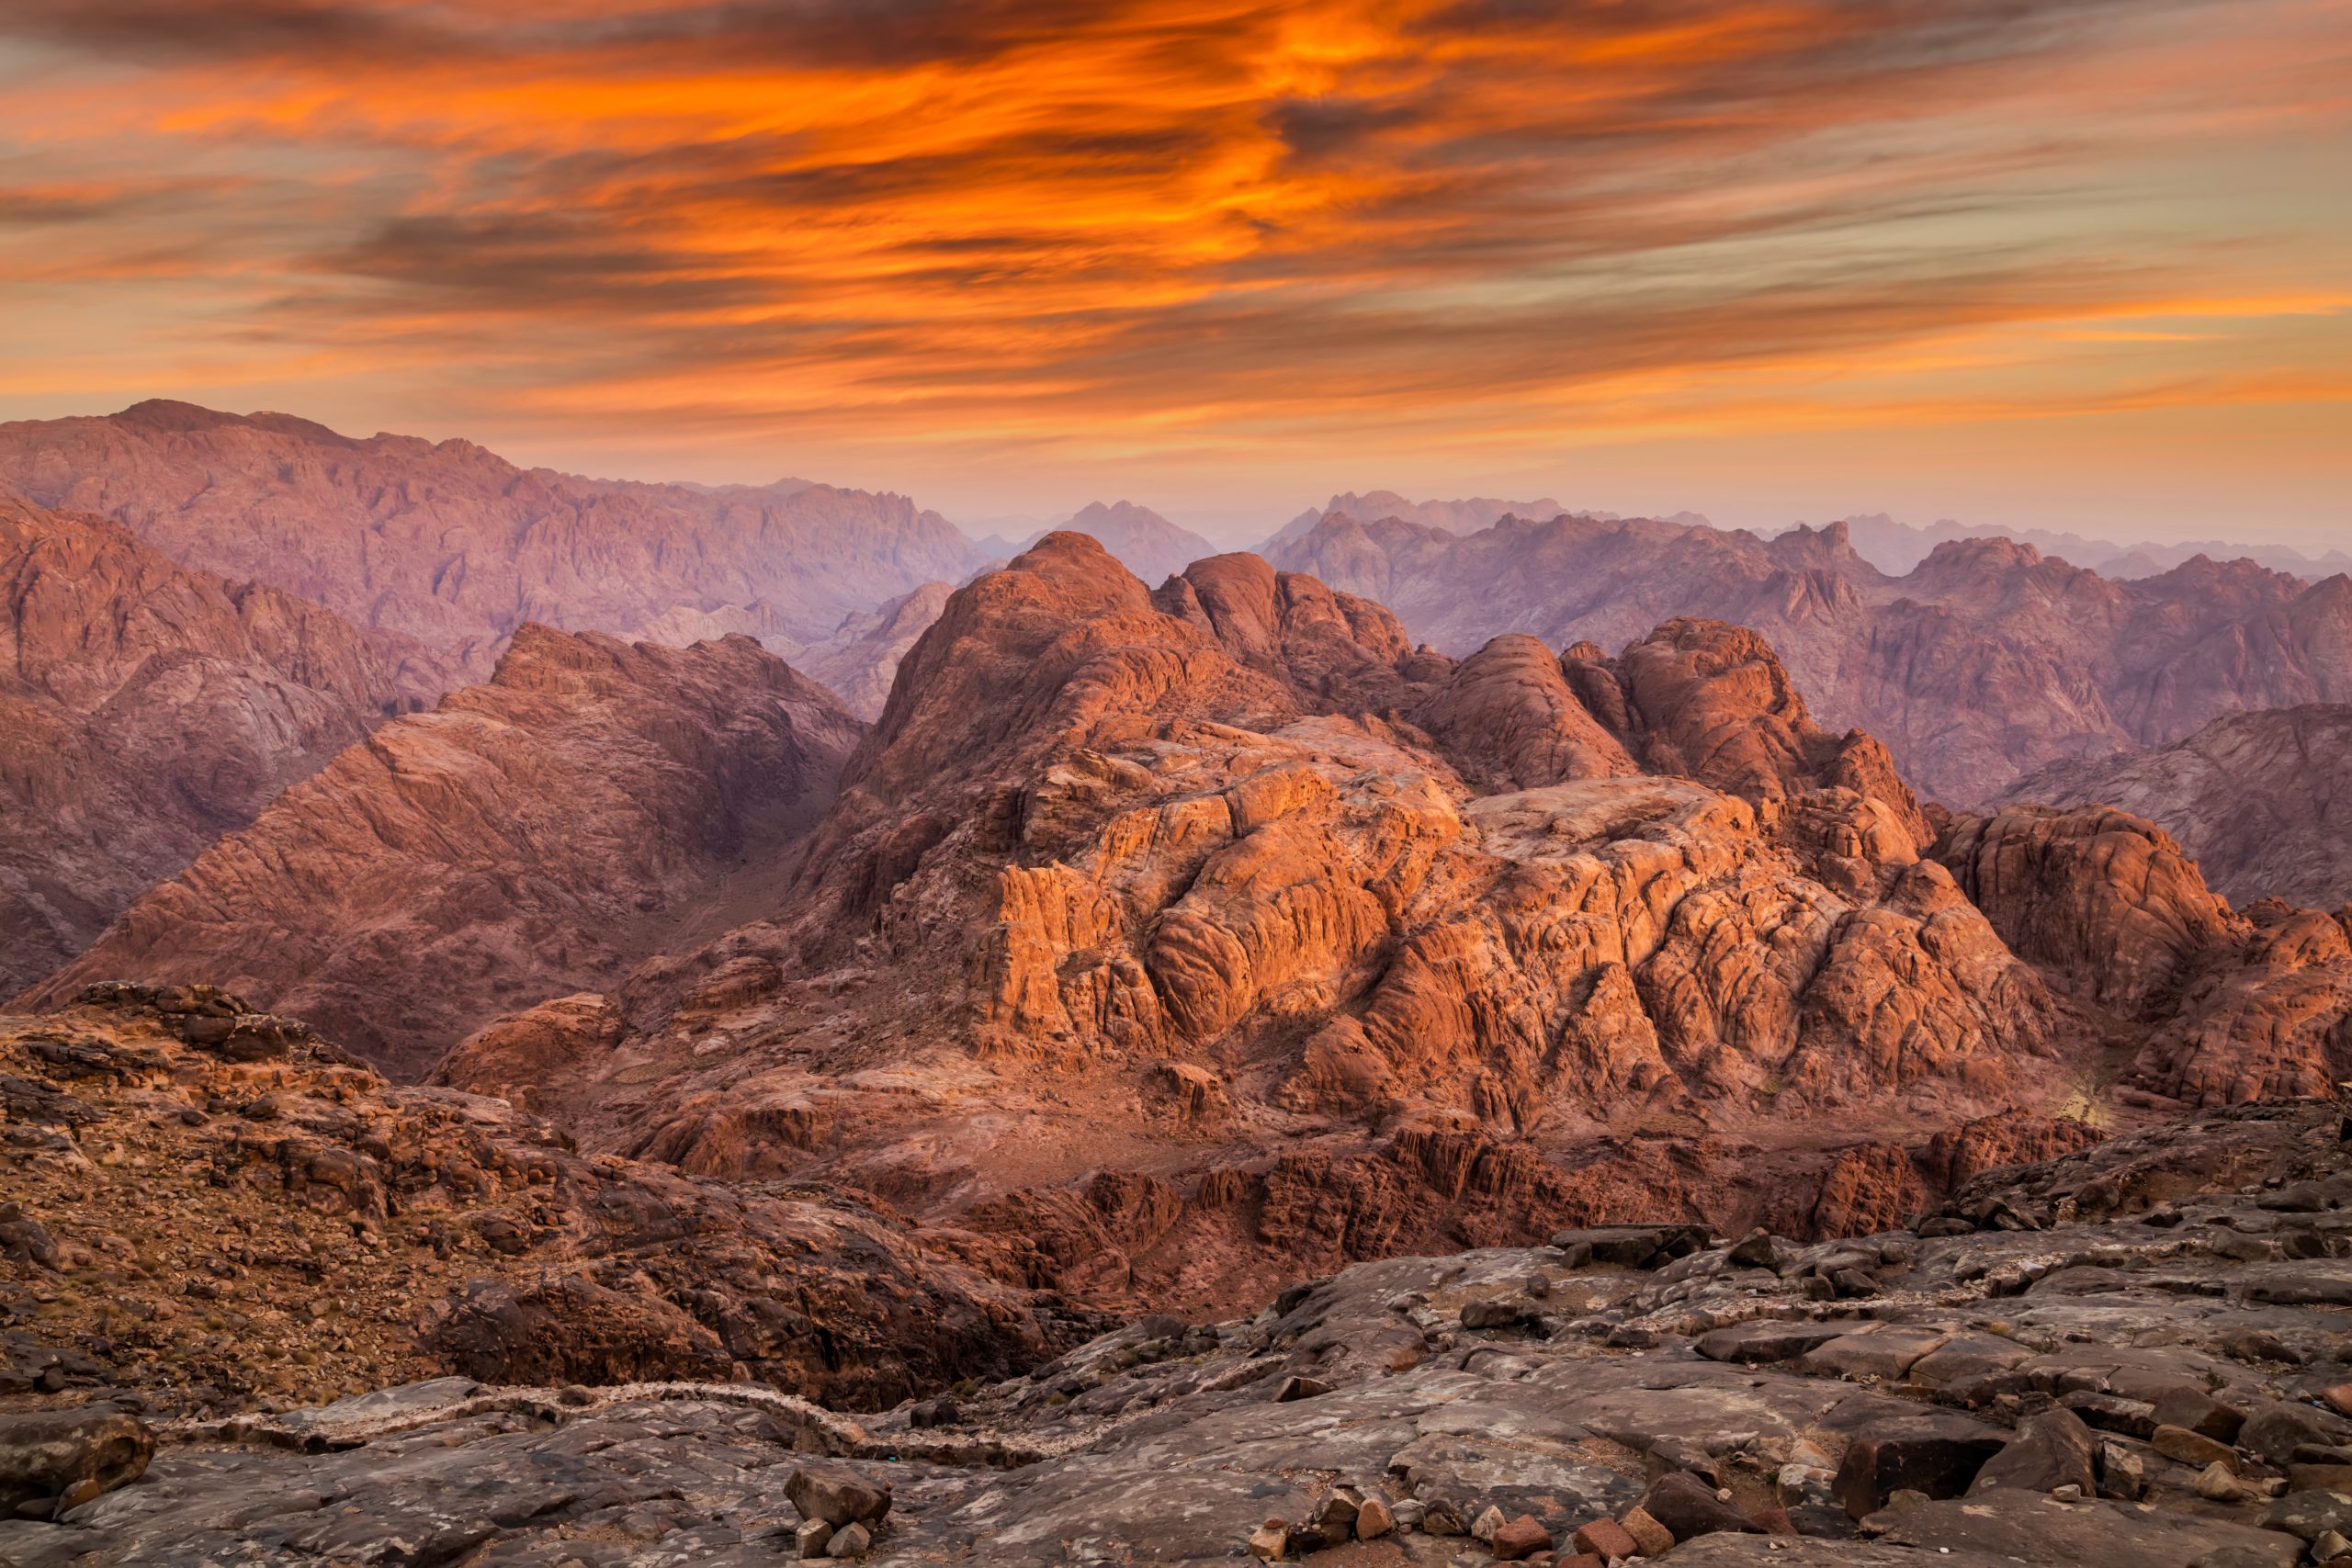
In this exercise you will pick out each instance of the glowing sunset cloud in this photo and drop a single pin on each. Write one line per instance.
(1756, 257)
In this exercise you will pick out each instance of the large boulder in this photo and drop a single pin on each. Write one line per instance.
(840, 1494)
(54, 1461)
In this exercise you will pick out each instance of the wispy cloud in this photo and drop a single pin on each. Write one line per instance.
(1081, 228)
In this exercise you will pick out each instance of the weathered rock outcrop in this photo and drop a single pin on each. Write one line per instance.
(145, 709)
(1359, 951)
(1952, 1391)
(209, 1207)
(2258, 799)
(1509, 720)
(1987, 660)
(528, 838)
(2102, 897)
(2228, 1007)
(453, 546)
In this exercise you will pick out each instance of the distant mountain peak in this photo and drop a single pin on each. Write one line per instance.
(1146, 543)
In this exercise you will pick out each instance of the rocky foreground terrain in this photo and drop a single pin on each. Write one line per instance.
(2260, 799)
(1987, 660)
(207, 1211)
(2137, 1353)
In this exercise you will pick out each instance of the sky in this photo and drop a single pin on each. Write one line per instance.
(2066, 263)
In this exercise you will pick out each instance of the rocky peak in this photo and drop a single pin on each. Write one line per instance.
(1508, 718)
(1335, 932)
(528, 838)
(144, 709)
(2105, 899)
(450, 545)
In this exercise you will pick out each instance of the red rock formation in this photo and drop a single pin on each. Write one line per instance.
(2268, 1015)
(2102, 897)
(1230, 870)
(144, 709)
(1987, 660)
(1510, 721)
(452, 546)
(2258, 799)
(527, 838)
(2231, 1007)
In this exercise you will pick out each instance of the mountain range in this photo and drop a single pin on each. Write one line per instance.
(572, 972)
(1985, 662)
(1896, 547)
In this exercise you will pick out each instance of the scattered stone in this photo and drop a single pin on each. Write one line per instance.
(1335, 1520)
(2113, 1413)
(1270, 1540)
(837, 1495)
(2188, 1447)
(850, 1541)
(1522, 1536)
(1650, 1538)
(1499, 1311)
(1931, 1452)
(1373, 1519)
(1756, 1249)
(2121, 1473)
(2198, 1412)
(1489, 1520)
(2218, 1483)
(2051, 1451)
(811, 1537)
(1688, 1508)
(1633, 1247)
(1607, 1540)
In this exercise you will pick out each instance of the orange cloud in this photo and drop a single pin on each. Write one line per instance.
(1010, 229)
